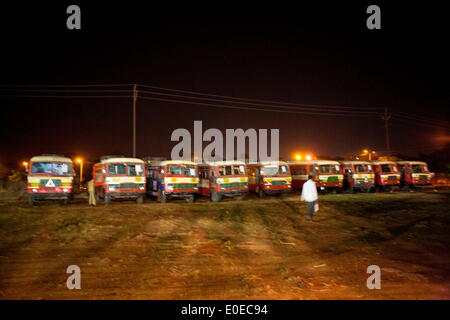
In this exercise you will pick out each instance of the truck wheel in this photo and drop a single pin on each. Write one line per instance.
(140, 200)
(31, 201)
(190, 199)
(65, 202)
(215, 197)
(162, 196)
(107, 199)
(241, 197)
(261, 193)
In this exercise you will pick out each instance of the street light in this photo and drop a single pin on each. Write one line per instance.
(25, 165)
(368, 153)
(298, 157)
(80, 161)
(308, 157)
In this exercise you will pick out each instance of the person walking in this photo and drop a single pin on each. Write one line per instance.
(309, 194)
(91, 191)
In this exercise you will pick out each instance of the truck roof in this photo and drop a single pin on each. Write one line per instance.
(50, 158)
(411, 162)
(355, 162)
(269, 163)
(166, 162)
(384, 162)
(319, 162)
(122, 159)
(224, 163)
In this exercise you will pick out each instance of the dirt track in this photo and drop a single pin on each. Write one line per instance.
(252, 249)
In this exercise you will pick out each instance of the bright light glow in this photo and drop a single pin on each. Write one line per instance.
(365, 151)
(308, 157)
(298, 157)
(25, 164)
(79, 160)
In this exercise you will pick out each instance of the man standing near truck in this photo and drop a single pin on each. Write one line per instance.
(91, 190)
(309, 194)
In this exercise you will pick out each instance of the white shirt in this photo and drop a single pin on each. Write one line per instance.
(309, 191)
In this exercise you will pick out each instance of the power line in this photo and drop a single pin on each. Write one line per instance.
(422, 117)
(62, 85)
(63, 91)
(419, 123)
(257, 100)
(69, 97)
(430, 122)
(256, 104)
(253, 109)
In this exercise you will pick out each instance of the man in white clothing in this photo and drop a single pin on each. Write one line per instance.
(309, 194)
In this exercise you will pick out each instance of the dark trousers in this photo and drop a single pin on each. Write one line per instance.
(310, 209)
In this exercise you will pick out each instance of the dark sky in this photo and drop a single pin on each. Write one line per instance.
(301, 54)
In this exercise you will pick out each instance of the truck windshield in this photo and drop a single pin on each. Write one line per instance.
(52, 168)
(231, 170)
(329, 168)
(274, 170)
(363, 168)
(126, 169)
(136, 170)
(182, 170)
(388, 168)
(419, 168)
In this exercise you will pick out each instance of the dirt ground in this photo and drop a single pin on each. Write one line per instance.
(251, 249)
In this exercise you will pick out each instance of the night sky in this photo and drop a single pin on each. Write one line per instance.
(321, 55)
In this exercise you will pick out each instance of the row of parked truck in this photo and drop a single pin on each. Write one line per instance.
(51, 177)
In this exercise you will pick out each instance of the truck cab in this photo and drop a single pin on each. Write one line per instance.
(170, 179)
(50, 177)
(414, 174)
(358, 175)
(387, 175)
(326, 174)
(269, 178)
(223, 179)
(117, 177)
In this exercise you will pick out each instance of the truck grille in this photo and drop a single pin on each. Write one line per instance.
(332, 179)
(127, 185)
(183, 185)
(56, 182)
(234, 185)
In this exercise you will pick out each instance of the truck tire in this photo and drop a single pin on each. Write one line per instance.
(215, 197)
(190, 199)
(241, 197)
(31, 201)
(107, 199)
(65, 201)
(261, 193)
(140, 200)
(162, 197)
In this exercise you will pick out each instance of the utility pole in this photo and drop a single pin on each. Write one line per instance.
(387, 115)
(134, 119)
